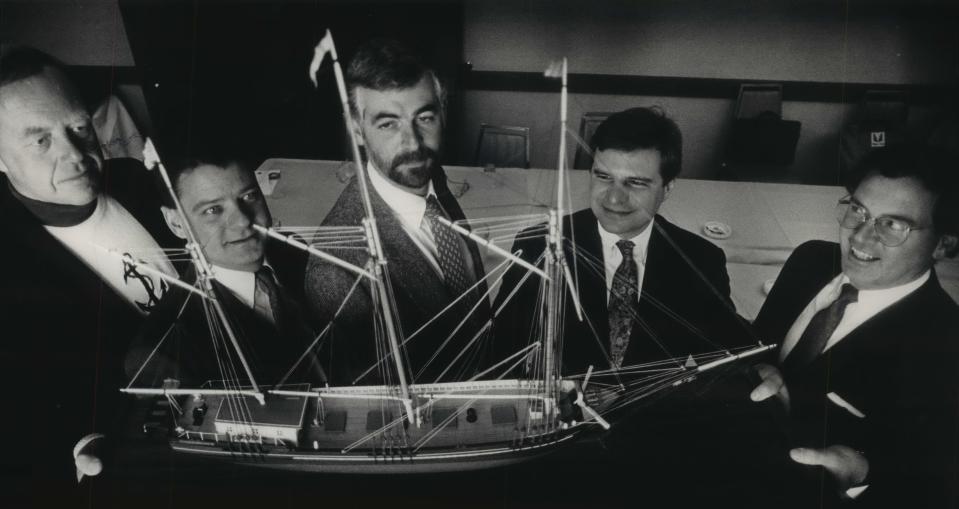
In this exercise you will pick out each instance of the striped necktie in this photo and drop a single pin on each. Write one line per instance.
(266, 295)
(819, 330)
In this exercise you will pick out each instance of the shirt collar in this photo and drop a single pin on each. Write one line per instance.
(409, 207)
(640, 241)
(879, 299)
(240, 282)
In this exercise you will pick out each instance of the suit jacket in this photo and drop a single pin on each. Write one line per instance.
(418, 290)
(187, 354)
(64, 331)
(670, 285)
(899, 369)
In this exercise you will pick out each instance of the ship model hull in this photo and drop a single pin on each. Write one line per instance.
(463, 426)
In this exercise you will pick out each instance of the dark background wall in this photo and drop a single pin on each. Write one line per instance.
(827, 44)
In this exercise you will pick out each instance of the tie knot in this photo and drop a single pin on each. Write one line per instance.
(626, 248)
(433, 208)
(848, 294)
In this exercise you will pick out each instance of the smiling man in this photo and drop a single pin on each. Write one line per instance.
(868, 341)
(256, 279)
(398, 114)
(637, 271)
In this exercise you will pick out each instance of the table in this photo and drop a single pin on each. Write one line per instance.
(768, 220)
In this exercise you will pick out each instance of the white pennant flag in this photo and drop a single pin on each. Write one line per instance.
(319, 53)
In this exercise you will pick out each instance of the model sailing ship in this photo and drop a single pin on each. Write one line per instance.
(407, 427)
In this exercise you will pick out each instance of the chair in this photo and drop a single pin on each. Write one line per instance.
(583, 160)
(502, 146)
(760, 144)
(758, 98)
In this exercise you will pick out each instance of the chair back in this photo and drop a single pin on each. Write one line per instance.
(583, 160)
(502, 146)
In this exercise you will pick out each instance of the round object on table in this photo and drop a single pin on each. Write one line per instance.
(717, 230)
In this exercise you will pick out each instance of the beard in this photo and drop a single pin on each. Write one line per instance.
(418, 171)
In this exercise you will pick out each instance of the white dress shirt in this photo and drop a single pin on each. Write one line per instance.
(612, 257)
(242, 283)
(869, 304)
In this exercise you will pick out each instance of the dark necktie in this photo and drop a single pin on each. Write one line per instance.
(820, 328)
(621, 303)
(449, 254)
(266, 296)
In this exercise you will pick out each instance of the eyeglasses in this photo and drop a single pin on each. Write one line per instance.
(892, 232)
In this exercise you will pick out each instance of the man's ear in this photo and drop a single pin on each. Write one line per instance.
(947, 247)
(173, 222)
(668, 188)
(357, 132)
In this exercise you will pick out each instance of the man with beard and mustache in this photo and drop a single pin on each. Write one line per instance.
(397, 107)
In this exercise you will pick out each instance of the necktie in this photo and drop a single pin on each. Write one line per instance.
(448, 251)
(820, 328)
(266, 295)
(621, 303)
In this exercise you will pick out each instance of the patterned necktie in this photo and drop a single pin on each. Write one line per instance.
(266, 295)
(820, 328)
(621, 303)
(449, 254)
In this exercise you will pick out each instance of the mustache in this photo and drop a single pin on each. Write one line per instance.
(420, 155)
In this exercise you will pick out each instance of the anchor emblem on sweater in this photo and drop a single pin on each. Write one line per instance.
(153, 292)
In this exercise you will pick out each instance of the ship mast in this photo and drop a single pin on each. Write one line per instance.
(204, 271)
(377, 257)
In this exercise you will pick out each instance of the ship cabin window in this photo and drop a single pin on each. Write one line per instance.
(376, 419)
(335, 421)
(503, 414)
(441, 415)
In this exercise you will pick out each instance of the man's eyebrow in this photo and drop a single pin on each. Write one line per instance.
(206, 203)
(897, 217)
(431, 108)
(384, 114)
(32, 131)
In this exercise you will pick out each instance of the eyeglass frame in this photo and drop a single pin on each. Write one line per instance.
(845, 206)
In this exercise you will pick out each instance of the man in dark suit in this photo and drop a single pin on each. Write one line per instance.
(866, 371)
(398, 112)
(257, 281)
(69, 308)
(649, 290)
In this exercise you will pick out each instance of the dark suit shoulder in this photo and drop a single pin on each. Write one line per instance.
(348, 209)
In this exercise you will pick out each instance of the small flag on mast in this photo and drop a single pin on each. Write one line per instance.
(319, 53)
(150, 157)
(555, 69)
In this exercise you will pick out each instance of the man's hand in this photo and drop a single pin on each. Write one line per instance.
(772, 385)
(86, 456)
(846, 465)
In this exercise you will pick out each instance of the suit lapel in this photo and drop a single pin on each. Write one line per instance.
(592, 289)
(410, 272)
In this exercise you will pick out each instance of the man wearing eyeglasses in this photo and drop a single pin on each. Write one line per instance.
(869, 344)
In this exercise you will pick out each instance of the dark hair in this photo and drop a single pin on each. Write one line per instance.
(933, 167)
(213, 155)
(386, 64)
(643, 128)
(23, 62)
